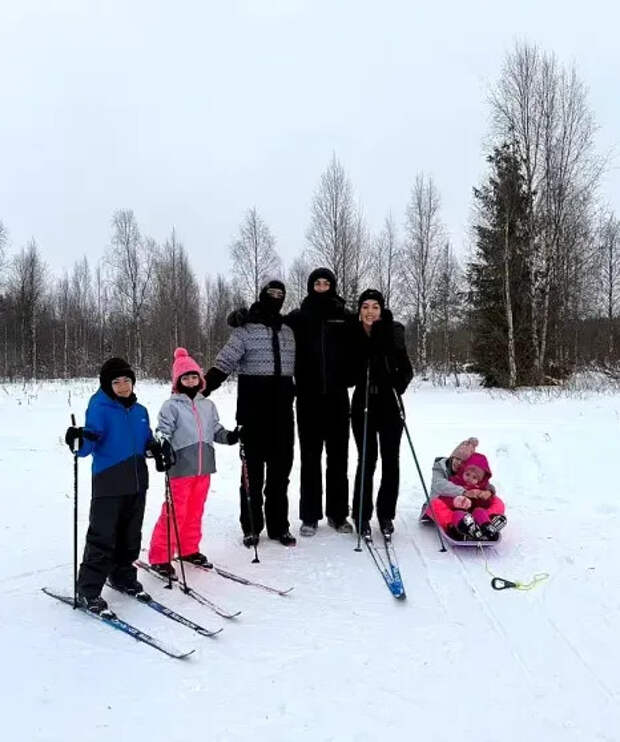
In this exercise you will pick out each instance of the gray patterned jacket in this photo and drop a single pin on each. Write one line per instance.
(191, 426)
(249, 351)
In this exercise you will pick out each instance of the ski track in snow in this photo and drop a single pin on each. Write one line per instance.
(339, 659)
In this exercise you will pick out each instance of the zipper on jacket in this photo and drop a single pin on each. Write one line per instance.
(133, 440)
(323, 359)
(200, 437)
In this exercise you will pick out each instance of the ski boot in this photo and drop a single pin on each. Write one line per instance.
(198, 559)
(308, 528)
(134, 589)
(387, 526)
(95, 605)
(340, 526)
(165, 569)
(469, 528)
(250, 540)
(365, 530)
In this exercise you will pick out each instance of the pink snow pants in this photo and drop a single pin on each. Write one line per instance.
(189, 495)
(446, 516)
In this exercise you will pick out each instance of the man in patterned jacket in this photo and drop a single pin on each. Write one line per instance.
(262, 350)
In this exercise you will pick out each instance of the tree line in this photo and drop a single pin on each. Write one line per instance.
(536, 298)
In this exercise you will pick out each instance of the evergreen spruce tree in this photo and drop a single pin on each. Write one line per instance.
(498, 277)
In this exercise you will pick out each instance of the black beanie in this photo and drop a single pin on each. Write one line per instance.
(372, 294)
(322, 273)
(112, 369)
(271, 301)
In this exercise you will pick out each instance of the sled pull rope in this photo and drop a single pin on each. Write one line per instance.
(499, 583)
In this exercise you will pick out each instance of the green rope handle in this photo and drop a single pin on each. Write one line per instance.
(499, 583)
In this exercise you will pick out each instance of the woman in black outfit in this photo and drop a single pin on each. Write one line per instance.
(379, 348)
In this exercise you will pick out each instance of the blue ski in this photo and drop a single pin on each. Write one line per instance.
(395, 586)
(117, 623)
(173, 615)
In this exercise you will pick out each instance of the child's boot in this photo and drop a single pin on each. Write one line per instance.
(469, 528)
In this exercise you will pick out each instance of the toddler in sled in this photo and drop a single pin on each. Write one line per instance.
(463, 501)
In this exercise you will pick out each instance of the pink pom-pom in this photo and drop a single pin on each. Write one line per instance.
(180, 353)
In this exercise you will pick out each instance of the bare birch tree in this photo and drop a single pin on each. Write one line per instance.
(608, 242)
(297, 281)
(253, 255)
(424, 237)
(333, 226)
(385, 259)
(28, 286)
(542, 108)
(132, 260)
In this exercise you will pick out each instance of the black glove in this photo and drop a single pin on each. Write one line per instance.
(213, 379)
(78, 434)
(163, 454)
(233, 436)
(72, 435)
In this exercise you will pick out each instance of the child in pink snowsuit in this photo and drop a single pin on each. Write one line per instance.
(464, 503)
(188, 424)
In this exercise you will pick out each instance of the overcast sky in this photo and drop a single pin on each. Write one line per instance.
(191, 112)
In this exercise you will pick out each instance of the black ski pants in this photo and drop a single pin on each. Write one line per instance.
(268, 448)
(384, 424)
(112, 542)
(323, 420)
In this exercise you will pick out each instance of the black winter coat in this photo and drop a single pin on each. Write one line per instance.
(324, 331)
(390, 367)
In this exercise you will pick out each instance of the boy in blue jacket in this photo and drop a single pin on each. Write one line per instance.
(118, 435)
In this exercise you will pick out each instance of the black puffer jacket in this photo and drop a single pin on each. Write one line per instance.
(385, 350)
(323, 335)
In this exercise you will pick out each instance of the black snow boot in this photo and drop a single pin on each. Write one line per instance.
(198, 559)
(489, 532)
(287, 539)
(498, 522)
(95, 605)
(165, 569)
(134, 589)
(251, 540)
(469, 528)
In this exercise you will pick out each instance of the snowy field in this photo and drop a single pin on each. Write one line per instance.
(338, 659)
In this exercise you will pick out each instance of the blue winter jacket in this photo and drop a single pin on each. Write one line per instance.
(123, 434)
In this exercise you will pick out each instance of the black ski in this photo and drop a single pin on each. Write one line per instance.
(173, 615)
(117, 623)
(189, 591)
(241, 580)
(393, 585)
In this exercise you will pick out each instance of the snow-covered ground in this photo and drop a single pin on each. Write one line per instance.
(338, 659)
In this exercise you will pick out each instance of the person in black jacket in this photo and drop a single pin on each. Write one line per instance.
(323, 333)
(380, 353)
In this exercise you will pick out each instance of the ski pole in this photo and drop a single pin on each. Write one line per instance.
(363, 467)
(168, 534)
(246, 486)
(401, 412)
(75, 516)
(170, 500)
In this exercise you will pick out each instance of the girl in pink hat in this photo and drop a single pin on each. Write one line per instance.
(188, 424)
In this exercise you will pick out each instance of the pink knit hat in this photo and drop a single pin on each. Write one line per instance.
(465, 449)
(185, 364)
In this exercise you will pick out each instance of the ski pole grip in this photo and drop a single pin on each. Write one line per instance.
(499, 583)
